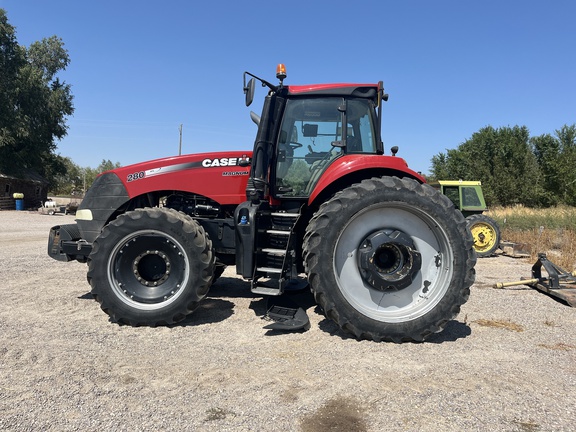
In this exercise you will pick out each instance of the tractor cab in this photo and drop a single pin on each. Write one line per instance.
(304, 129)
(467, 196)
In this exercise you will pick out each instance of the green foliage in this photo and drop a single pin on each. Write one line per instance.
(34, 103)
(75, 180)
(298, 176)
(68, 181)
(566, 161)
(92, 173)
(514, 168)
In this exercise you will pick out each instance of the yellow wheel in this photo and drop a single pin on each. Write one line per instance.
(486, 234)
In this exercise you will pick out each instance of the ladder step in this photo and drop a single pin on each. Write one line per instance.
(274, 251)
(286, 215)
(264, 290)
(278, 232)
(269, 270)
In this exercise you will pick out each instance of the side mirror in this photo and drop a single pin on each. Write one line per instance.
(249, 90)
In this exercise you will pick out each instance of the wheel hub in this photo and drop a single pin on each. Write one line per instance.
(151, 268)
(388, 260)
(484, 236)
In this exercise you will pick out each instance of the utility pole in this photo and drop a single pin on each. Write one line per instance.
(180, 147)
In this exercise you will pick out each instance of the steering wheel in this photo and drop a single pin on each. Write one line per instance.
(295, 144)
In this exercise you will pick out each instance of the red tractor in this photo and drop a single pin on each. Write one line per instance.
(386, 256)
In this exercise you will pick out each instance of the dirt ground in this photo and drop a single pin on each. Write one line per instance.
(506, 363)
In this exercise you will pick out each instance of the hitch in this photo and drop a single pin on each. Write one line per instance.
(559, 283)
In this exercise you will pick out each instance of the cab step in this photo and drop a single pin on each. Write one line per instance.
(286, 316)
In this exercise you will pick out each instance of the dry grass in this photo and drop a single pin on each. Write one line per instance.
(527, 426)
(551, 231)
(503, 324)
(560, 346)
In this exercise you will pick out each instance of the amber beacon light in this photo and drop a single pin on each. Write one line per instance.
(281, 71)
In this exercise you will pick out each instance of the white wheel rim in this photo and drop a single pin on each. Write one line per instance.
(413, 301)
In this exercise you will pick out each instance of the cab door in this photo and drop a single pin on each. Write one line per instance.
(315, 132)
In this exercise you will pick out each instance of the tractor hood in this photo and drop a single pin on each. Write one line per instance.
(220, 176)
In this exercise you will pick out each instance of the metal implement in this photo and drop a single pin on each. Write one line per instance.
(559, 283)
(515, 250)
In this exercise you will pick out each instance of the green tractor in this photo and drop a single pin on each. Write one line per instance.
(467, 196)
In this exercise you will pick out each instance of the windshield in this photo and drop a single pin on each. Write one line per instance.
(311, 138)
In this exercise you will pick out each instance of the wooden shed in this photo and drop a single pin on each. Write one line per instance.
(32, 185)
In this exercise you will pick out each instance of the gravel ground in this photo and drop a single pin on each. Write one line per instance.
(507, 363)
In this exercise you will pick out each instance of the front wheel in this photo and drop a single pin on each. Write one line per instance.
(389, 259)
(151, 266)
(486, 234)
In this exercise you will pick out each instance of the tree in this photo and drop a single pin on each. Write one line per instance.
(34, 103)
(90, 174)
(11, 60)
(556, 156)
(69, 182)
(567, 186)
(502, 159)
(546, 149)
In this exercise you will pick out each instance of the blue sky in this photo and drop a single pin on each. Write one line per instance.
(139, 69)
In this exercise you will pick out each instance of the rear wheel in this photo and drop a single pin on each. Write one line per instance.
(486, 234)
(151, 266)
(389, 259)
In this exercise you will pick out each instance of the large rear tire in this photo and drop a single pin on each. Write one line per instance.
(389, 259)
(486, 234)
(151, 266)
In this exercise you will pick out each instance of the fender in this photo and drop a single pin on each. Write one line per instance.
(349, 164)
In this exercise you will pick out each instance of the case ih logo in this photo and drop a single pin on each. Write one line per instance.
(222, 162)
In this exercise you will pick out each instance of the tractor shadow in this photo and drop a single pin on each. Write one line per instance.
(231, 287)
(454, 331)
(234, 288)
(219, 303)
(216, 308)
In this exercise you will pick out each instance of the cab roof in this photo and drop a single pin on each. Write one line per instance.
(459, 183)
(369, 91)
